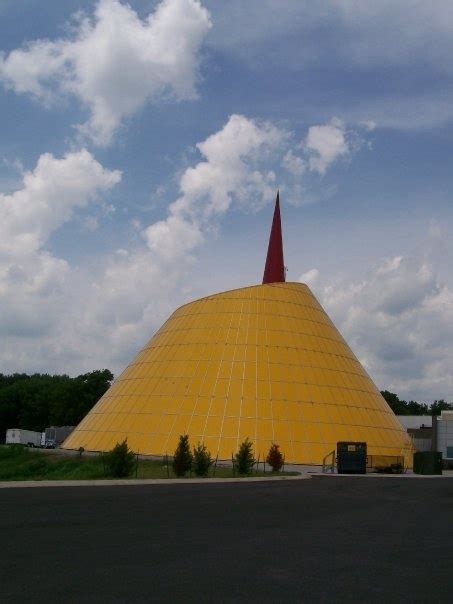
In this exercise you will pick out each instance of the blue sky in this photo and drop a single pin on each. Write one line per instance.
(142, 144)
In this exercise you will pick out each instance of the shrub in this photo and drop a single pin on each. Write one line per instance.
(182, 459)
(275, 458)
(202, 460)
(120, 461)
(244, 458)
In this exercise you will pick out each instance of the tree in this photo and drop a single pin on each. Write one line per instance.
(400, 407)
(438, 406)
(202, 460)
(120, 462)
(275, 458)
(244, 458)
(33, 402)
(182, 459)
(397, 406)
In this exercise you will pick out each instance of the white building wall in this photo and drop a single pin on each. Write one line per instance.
(445, 434)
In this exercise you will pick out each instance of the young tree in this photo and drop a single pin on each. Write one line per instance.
(275, 458)
(120, 461)
(202, 460)
(245, 459)
(182, 459)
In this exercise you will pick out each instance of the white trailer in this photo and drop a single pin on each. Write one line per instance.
(16, 436)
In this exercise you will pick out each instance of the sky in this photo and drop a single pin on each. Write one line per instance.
(142, 145)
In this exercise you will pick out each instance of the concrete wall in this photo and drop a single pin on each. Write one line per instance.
(422, 444)
(415, 421)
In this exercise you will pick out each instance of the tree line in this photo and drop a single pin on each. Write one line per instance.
(401, 407)
(34, 402)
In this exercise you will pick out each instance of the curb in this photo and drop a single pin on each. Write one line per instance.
(378, 476)
(29, 484)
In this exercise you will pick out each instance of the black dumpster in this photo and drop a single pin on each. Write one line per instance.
(427, 462)
(351, 457)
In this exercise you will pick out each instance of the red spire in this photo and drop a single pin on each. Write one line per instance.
(274, 271)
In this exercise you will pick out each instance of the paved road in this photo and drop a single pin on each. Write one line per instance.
(328, 539)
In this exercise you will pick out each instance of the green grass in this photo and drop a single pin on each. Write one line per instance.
(20, 463)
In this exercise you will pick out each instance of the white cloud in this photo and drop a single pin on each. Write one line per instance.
(71, 319)
(294, 164)
(237, 167)
(31, 279)
(115, 62)
(139, 288)
(232, 169)
(48, 197)
(325, 144)
(173, 237)
(309, 277)
(399, 321)
(369, 125)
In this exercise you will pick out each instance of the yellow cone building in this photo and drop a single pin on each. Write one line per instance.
(263, 362)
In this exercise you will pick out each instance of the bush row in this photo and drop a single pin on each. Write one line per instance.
(199, 461)
(120, 462)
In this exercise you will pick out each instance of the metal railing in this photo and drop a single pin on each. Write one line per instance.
(329, 467)
(386, 464)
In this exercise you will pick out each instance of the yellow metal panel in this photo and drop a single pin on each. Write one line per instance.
(279, 410)
(213, 426)
(201, 405)
(217, 406)
(265, 430)
(249, 408)
(180, 425)
(196, 426)
(247, 429)
(264, 408)
(230, 427)
(293, 412)
(221, 388)
(263, 361)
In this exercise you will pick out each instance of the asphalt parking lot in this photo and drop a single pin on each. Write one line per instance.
(329, 539)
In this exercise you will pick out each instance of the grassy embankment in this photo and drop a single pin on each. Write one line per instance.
(20, 463)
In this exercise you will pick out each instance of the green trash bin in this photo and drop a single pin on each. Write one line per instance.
(428, 462)
(351, 457)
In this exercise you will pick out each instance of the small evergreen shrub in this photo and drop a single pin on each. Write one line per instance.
(202, 460)
(182, 459)
(120, 461)
(244, 458)
(275, 458)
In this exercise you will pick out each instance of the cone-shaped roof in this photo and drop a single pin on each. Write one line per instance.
(274, 271)
(263, 362)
